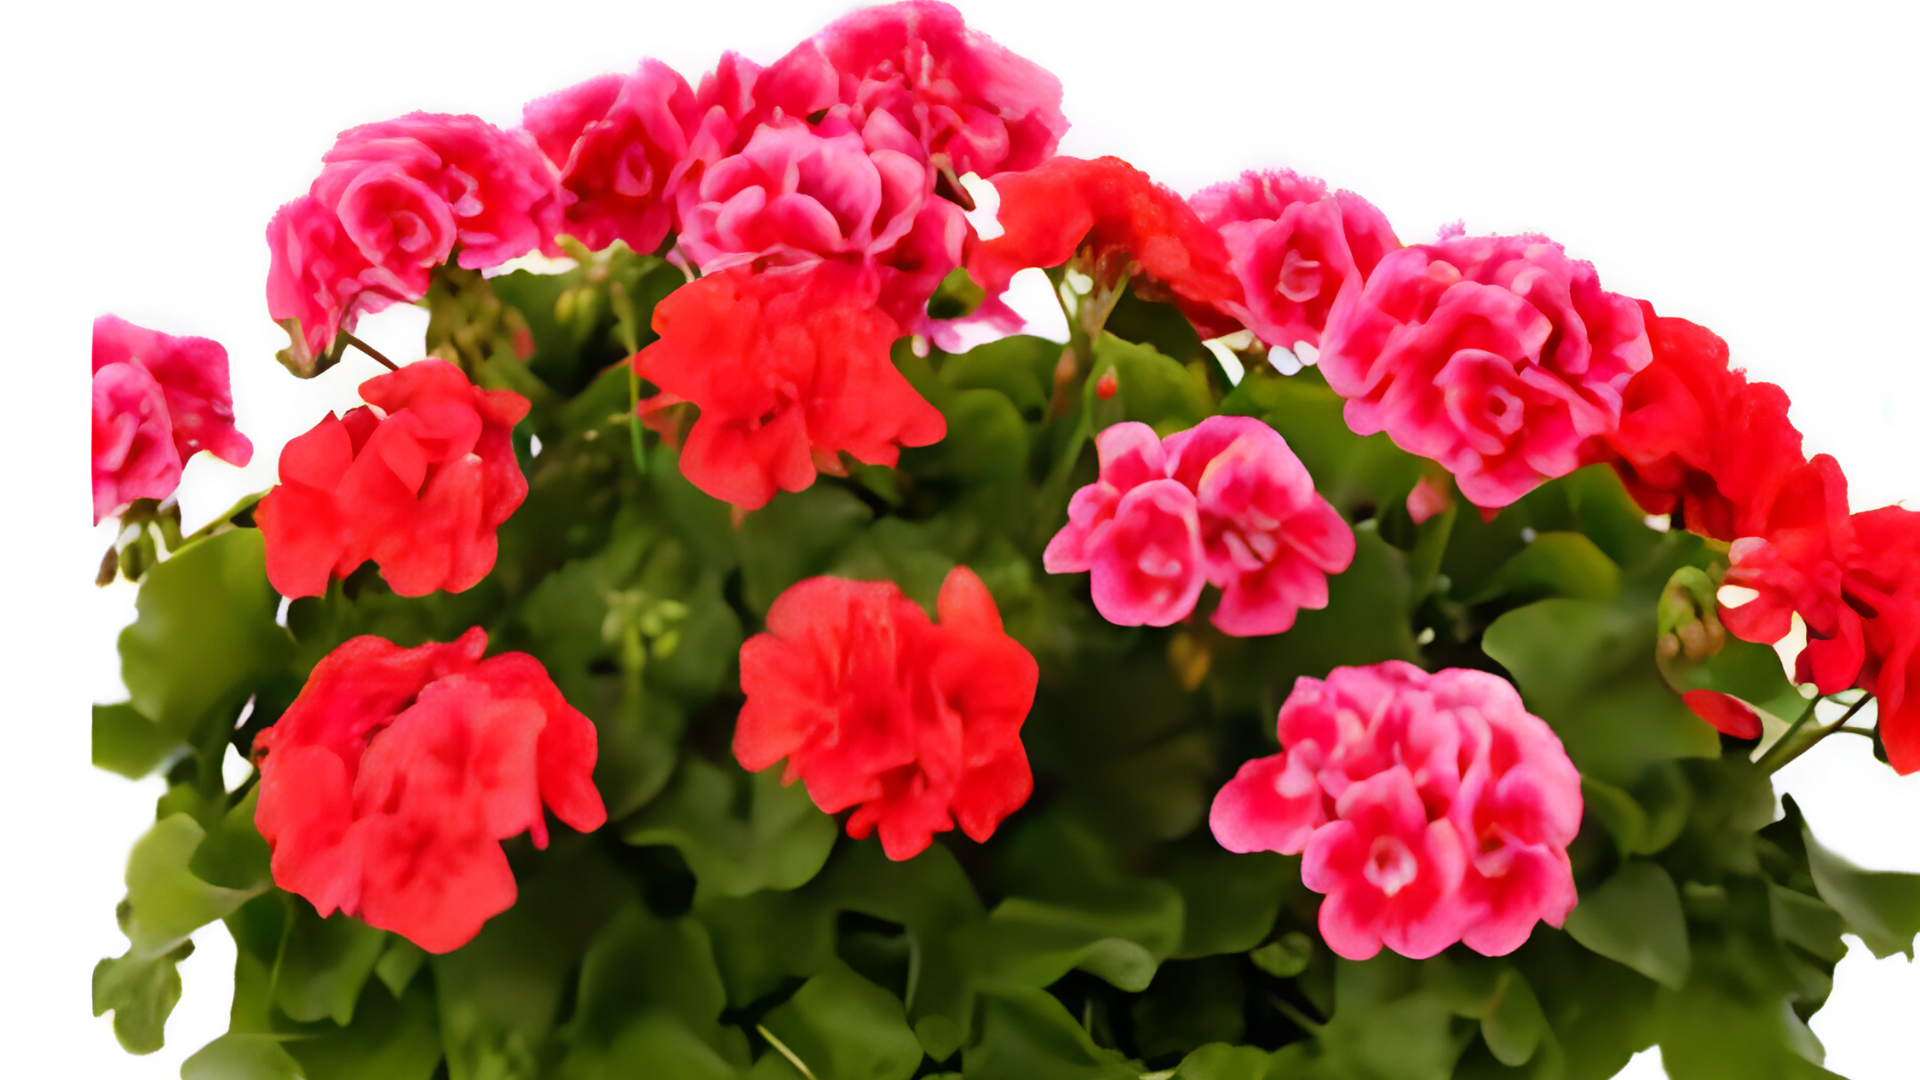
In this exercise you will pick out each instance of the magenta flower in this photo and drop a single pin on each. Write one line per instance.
(1430, 808)
(969, 102)
(1295, 248)
(1226, 502)
(157, 401)
(619, 143)
(393, 202)
(1497, 356)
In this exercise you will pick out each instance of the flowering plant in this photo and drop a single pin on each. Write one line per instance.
(1339, 658)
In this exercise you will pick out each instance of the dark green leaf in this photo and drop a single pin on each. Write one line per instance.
(233, 855)
(1555, 564)
(1029, 1035)
(1230, 900)
(796, 535)
(1881, 906)
(398, 965)
(1513, 1024)
(142, 993)
(324, 965)
(1218, 1061)
(1635, 919)
(1153, 389)
(844, 1028)
(781, 843)
(1021, 367)
(1190, 1004)
(389, 1040)
(128, 743)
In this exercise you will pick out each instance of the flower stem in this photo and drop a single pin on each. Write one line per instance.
(1801, 738)
(369, 350)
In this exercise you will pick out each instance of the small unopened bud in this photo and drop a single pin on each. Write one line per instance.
(1108, 386)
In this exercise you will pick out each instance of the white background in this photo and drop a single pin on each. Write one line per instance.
(1749, 168)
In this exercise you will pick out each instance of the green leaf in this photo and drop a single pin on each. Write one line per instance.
(1153, 389)
(325, 964)
(1808, 922)
(1218, 1061)
(1231, 900)
(1029, 1035)
(844, 1028)
(1405, 1039)
(1882, 907)
(986, 440)
(642, 964)
(1555, 564)
(165, 901)
(1020, 366)
(233, 855)
(1647, 820)
(653, 1045)
(141, 992)
(781, 843)
(389, 1040)
(1514, 1024)
(127, 743)
(1190, 1004)
(1636, 919)
(242, 1057)
(1286, 957)
(205, 633)
(398, 965)
(1353, 472)
(1708, 1034)
(796, 535)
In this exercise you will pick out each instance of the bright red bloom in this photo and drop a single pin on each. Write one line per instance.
(420, 490)
(971, 104)
(1728, 714)
(1882, 587)
(1295, 248)
(790, 369)
(1699, 441)
(1123, 218)
(157, 401)
(388, 784)
(1497, 356)
(620, 144)
(392, 202)
(875, 706)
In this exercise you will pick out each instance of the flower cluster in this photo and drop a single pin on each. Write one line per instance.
(1225, 502)
(157, 401)
(419, 487)
(394, 201)
(875, 706)
(1497, 356)
(1431, 808)
(388, 784)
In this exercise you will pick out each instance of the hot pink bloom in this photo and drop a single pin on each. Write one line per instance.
(1430, 808)
(1270, 539)
(1428, 500)
(1497, 356)
(971, 104)
(392, 202)
(620, 144)
(1226, 502)
(1295, 248)
(157, 401)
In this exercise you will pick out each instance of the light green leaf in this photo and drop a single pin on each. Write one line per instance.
(165, 901)
(127, 743)
(242, 1057)
(780, 844)
(142, 993)
(1514, 1023)
(1636, 919)
(1219, 1061)
(1286, 957)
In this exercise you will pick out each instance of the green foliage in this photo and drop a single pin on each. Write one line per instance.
(720, 927)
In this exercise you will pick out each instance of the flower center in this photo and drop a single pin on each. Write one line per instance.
(1390, 865)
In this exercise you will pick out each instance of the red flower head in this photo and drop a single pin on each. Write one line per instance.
(388, 784)
(789, 368)
(1122, 217)
(157, 401)
(1295, 248)
(1697, 439)
(1497, 356)
(620, 144)
(392, 202)
(873, 705)
(972, 105)
(1882, 587)
(419, 490)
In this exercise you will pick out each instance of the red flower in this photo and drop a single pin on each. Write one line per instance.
(387, 785)
(875, 706)
(790, 369)
(1881, 586)
(1699, 441)
(1050, 211)
(419, 491)
(1728, 714)
(619, 143)
(157, 401)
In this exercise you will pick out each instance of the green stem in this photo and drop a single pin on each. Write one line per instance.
(1798, 739)
(633, 417)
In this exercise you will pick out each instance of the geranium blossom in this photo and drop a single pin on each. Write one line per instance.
(1295, 247)
(157, 401)
(392, 202)
(915, 723)
(1497, 356)
(790, 369)
(1225, 502)
(388, 784)
(619, 144)
(419, 487)
(1430, 808)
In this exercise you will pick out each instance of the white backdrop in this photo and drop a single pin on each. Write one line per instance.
(1749, 171)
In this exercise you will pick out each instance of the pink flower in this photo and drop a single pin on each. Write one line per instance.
(1430, 808)
(1270, 539)
(1295, 248)
(969, 102)
(620, 144)
(1497, 356)
(1225, 502)
(157, 401)
(1428, 500)
(392, 203)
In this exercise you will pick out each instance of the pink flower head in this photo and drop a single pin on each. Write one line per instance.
(157, 401)
(392, 203)
(1497, 356)
(619, 143)
(1225, 502)
(972, 105)
(1431, 808)
(1295, 248)
(1270, 539)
